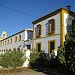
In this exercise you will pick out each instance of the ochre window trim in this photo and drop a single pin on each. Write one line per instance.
(37, 46)
(11, 41)
(49, 45)
(38, 33)
(16, 39)
(49, 27)
(19, 38)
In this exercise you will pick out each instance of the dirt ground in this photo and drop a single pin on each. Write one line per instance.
(22, 71)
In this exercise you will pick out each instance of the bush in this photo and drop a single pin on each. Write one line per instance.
(66, 53)
(12, 59)
(42, 61)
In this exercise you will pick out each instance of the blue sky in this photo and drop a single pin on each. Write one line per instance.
(13, 21)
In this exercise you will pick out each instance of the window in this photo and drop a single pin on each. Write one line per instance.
(1, 43)
(11, 41)
(50, 27)
(19, 39)
(38, 46)
(14, 49)
(28, 46)
(8, 41)
(5, 42)
(15, 39)
(4, 50)
(51, 46)
(38, 31)
(10, 50)
(18, 49)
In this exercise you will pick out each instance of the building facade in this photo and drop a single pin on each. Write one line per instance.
(49, 31)
(18, 41)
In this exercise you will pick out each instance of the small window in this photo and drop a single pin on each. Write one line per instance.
(8, 41)
(1, 43)
(38, 46)
(4, 50)
(14, 49)
(18, 49)
(15, 39)
(11, 41)
(5, 42)
(38, 31)
(10, 50)
(19, 39)
(28, 46)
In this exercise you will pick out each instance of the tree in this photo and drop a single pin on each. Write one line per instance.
(67, 53)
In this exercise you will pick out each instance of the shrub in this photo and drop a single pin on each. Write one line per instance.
(42, 61)
(12, 59)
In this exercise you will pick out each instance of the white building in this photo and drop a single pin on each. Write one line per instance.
(49, 31)
(19, 41)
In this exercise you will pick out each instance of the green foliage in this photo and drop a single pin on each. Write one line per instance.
(34, 56)
(66, 54)
(42, 61)
(61, 53)
(69, 45)
(12, 59)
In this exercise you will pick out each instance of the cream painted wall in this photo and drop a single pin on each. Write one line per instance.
(44, 41)
(16, 44)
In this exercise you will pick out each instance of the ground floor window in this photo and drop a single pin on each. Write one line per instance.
(51, 46)
(28, 46)
(38, 46)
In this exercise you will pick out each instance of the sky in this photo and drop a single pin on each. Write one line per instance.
(17, 15)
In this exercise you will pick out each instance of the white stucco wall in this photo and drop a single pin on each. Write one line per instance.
(14, 44)
(44, 40)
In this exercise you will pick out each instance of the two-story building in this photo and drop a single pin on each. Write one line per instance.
(49, 31)
(18, 41)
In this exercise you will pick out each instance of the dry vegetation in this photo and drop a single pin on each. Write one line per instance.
(19, 71)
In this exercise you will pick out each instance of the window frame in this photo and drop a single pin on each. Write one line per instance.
(49, 31)
(37, 46)
(11, 41)
(38, 31)
(15, 38)
(49, 45)
(19, 38)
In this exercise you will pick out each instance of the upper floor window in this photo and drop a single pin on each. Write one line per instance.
(19, 38)
(5, 42)
(16, 39)
(11, 41)
(50, 27)
(8, 41)
(38, 31)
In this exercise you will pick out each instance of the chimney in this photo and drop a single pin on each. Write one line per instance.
(68, 7)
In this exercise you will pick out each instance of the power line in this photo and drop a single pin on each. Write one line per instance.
(17, 11)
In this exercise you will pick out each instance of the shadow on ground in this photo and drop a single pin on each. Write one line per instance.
(51, 67)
